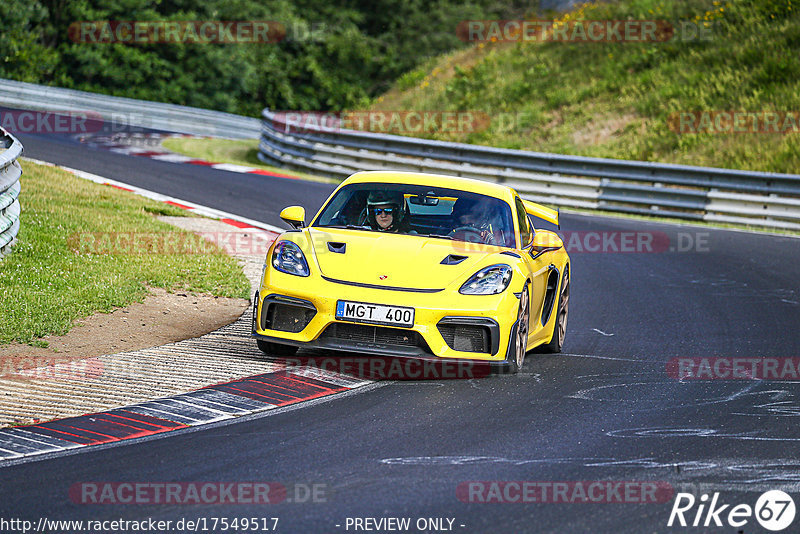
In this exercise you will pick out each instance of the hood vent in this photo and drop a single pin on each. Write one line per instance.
(453, 259)
(338, 248)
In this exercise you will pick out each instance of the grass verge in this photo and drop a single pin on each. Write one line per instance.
(237, 151)
(621, 99)
(51, 278)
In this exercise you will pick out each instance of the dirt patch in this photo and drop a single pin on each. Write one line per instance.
(598, 131)
(441, 74)
(162, 318)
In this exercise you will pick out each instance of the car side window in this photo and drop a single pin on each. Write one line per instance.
(525, 233)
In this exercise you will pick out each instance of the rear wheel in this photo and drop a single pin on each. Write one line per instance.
(516, 356)
(276, 349)
(560, 328)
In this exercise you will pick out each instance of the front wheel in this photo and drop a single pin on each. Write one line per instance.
(560, 328)
(275, 349)
(516, 352)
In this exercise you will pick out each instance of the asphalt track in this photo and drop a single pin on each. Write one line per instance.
(606, 409)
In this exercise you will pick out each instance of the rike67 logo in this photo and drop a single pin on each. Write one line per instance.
(774, 510)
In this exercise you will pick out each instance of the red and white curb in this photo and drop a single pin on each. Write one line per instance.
(207, 405)
(284, 386)
(229, 218)
(113, 144)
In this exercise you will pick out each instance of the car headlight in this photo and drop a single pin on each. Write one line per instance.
(488, 281)
(288, 258)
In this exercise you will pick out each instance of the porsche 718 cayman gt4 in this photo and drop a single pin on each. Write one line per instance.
(416, 265)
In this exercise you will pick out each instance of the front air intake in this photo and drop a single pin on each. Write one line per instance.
(285, 314)
(470, 334)
(466, 338)
(375, 334)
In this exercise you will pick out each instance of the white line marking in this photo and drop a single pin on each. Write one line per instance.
(601, 332)
(232, 167)
(172, 158)
(198, 208)
(601, 357)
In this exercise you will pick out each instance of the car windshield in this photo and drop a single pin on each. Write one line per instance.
(421, 210)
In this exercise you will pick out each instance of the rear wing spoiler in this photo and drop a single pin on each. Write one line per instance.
(541, 212)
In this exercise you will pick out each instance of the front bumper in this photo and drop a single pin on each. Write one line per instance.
(440, 314)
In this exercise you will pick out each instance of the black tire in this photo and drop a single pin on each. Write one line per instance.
(560, 328)
(516, 359)
(255, 312)
(267, 347)
(275, 349)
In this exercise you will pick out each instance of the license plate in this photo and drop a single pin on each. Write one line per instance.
(362, 312)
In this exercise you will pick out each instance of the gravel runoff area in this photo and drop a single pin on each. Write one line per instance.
(64, 384)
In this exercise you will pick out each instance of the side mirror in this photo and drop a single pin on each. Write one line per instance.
(545, 241)
(294, 216)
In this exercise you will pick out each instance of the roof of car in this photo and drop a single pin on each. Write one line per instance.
(438, 180)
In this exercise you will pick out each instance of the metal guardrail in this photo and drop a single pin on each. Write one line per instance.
(128, 111)
(682, 191)
(10, 171)
(686, 192)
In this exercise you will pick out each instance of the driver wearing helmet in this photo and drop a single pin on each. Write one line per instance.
(475, 220)
(385, 211)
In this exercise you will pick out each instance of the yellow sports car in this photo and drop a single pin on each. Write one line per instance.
(416, 265)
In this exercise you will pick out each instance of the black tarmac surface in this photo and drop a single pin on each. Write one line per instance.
(607, 409)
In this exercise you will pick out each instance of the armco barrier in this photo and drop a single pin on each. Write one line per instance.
(10, 171)
(127, 111)
(686, 192)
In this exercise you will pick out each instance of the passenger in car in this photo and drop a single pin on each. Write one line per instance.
(475, 221)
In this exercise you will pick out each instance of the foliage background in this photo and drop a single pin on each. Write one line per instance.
(356, 51)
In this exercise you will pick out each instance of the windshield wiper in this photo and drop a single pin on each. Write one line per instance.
(347, 227)
(435, 235)
(354, 227)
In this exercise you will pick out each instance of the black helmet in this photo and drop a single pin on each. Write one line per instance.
(376, 198)
(393, 198)
(482, 211)
(463, 206)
